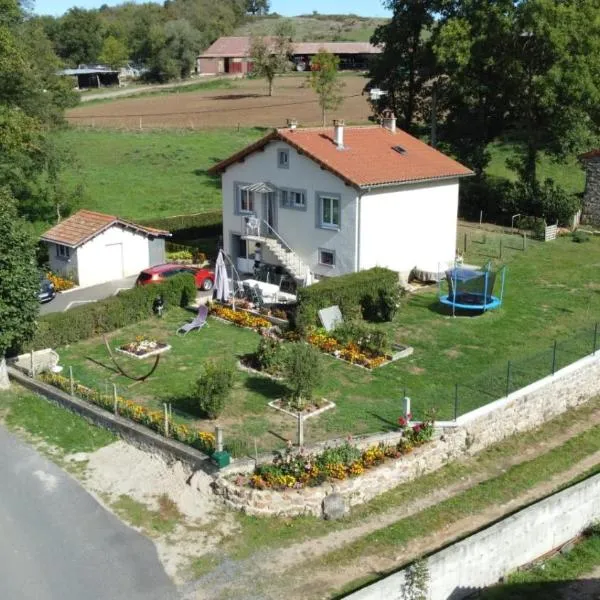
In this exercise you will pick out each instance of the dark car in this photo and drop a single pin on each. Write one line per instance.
(47, 291)
(205, 278)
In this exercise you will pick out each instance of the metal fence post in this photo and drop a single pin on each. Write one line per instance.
(595, 338)
(71, 381)
(166, 419)
(455, 401)
(508, 377)
(554, 357)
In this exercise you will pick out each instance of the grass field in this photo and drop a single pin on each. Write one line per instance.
(315, 28)
(150, 174)
(552, 292)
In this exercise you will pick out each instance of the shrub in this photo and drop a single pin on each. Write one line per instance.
(369, 292)
(270, 354)
(368, 338)
(83, 322)
(213, 388)
(303, 370)
(580, 237)
(190, 227)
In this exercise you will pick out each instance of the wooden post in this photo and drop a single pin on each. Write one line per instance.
(554, 357)
(406, 406)
(219, 438)
(115, 399)
(455, 401)
(166, 419)
(524, 241)
(500, 247)
(595, 338)
(508, 378)
(465, 244)
(300, 431)
(480, 217)
(255, 451)
(31, 364)
(141, 124)
(71, 381)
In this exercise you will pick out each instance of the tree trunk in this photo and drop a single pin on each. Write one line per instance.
(270, 86)
(324, 117)
(4, 381)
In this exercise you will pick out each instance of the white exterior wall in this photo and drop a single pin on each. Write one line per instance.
(409, 226)
(61, 266)
(297, 227)
(98, 264)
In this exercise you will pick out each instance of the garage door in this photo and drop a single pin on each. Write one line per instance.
(112, 262)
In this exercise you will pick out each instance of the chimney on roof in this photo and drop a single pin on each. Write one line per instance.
(388, 120)
(292, 124)
(338, 131)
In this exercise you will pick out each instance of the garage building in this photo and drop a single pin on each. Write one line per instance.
(93, 248)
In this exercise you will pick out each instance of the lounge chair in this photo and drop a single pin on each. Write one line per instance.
(198, 323)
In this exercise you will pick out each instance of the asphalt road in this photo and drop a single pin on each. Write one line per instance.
(77, 297)
(58, 543)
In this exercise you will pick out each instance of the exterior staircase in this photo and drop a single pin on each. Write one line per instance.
(289, 260)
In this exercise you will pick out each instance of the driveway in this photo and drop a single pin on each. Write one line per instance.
(58, 543)
(77, 297)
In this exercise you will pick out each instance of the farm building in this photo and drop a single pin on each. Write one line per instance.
(344, 199)
(92, 247)
(92, 76)
(232, 55)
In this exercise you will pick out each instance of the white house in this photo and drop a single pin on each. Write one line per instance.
(93, 248)
(330, 201)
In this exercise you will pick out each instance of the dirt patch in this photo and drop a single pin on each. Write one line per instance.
(453, 353)
(173, 491)
(415, 370)
(248, 106)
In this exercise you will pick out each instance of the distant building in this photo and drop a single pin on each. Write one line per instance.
(92, 76)
(232, 55)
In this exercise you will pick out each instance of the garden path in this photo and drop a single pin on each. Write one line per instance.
(283, 566)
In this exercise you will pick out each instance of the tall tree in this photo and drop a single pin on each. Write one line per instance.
(79, 39)
(19, 282)
(257, 7)
(406, 62)
(325, 81)
(271, 57)
(114, 53)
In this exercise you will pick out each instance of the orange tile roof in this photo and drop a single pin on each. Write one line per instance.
(368, 158)
(85, 224)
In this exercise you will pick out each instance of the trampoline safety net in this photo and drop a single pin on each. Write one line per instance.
(470, 287)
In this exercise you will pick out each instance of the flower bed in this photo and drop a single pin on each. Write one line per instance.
(309, 409)
(143, 347)
(60, 283)
(297, 470)
(241, 318)
(201, 440)
(350, 352)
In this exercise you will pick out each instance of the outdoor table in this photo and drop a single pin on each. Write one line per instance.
(269, 290)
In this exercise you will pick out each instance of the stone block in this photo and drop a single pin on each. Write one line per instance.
(334, 507)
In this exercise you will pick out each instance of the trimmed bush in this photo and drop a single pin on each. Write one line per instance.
(190, 227)
(303, 372)
(580, 237)
(213, 388)
(83, 322)
(373, 294)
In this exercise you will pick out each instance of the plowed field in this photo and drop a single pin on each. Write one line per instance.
(247, 105)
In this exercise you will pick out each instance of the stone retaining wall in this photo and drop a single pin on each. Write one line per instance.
(521, 411)
(590, 214)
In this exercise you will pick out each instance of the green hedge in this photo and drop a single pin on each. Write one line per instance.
(372, 294)
(190, 227)
(83, 322)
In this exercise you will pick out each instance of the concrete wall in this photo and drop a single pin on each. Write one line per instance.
(482, 559)
(590, 214)
(522, 410)
(409, 226)
(114, 254)
(297, 227)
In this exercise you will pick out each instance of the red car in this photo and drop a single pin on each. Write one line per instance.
(205, 278)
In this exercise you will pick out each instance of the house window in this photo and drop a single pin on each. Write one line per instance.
(326, 257)
(293, 199)
(330, 212)
(283, 159)
(63, 252)
(246, 201)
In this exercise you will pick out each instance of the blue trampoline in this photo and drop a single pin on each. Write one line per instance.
(473, 289)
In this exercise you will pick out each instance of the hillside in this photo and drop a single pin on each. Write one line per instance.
(315, 28)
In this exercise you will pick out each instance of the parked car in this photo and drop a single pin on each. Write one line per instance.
(46, 291)
(205, 278)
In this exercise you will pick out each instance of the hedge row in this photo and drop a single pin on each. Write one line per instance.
(373, 294)
(190, 227)
(83, 322)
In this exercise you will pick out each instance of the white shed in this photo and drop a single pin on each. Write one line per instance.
(93, 248)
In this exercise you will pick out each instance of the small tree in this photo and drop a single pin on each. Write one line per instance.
(416, 581)
(303, 372)
(213, 388)
(272, 58)
(324, 80)
(114, 53)
(19, 282)
(257, 7)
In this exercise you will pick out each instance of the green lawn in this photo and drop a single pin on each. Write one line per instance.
(149, 174)
(552, 291)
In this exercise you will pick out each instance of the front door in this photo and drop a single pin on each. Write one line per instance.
(270, 210)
